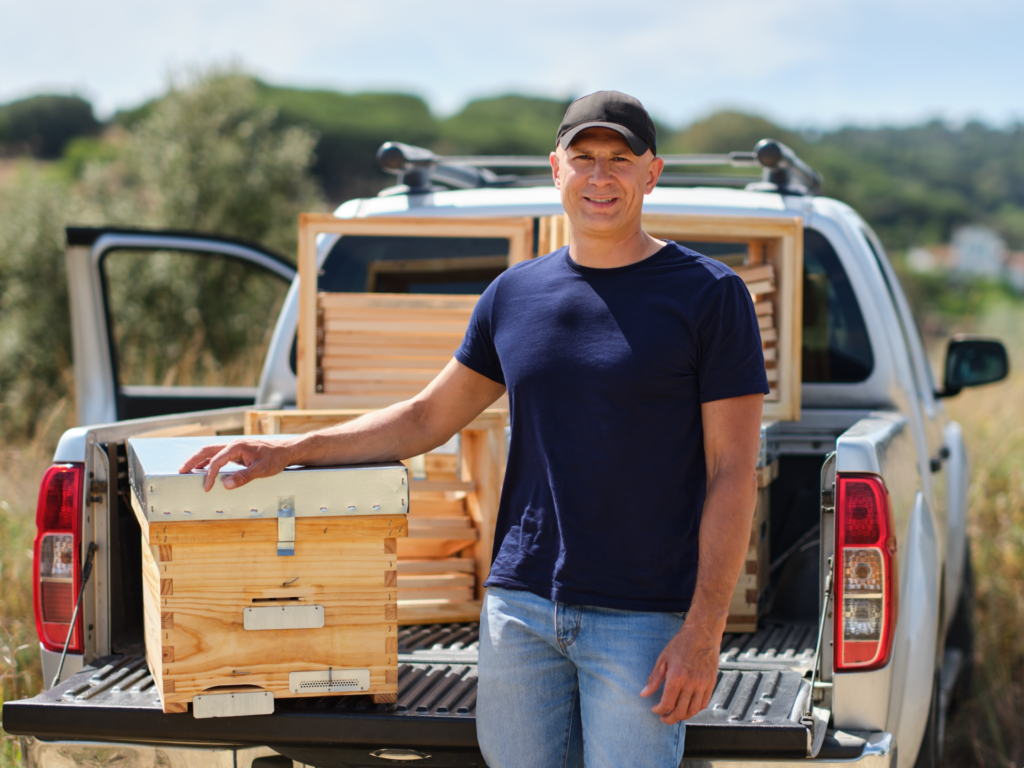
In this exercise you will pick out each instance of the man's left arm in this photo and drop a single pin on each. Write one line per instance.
(689, 664)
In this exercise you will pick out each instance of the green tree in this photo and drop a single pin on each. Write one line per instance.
(35, 333)
(210, 156)
(43, 125)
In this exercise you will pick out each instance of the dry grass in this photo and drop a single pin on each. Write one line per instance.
(20, 473)
(988, 729)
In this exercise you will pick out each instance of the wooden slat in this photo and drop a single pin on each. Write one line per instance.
(452, 593)
(451, 529)
(441, 565)
(434, 581)
(423, 506)
(439, 612)
(299, 422)
(399, 301)
(423, 549)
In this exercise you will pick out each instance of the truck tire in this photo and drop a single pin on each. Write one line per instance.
(961, 634)
(931, 750)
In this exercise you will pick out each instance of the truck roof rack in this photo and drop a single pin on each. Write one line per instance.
(417, 168)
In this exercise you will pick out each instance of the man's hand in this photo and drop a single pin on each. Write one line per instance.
(689, 664)
(689, 668)
(261, 458)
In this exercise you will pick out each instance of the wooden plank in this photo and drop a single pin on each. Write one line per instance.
(454, 594)
(768, 474)
(422, 506)
(181, 430)
(299, 422)
(483, 462)
(756, 274)
(439, 613)
(422, 549)
(435, 581)
(399, 301)
(443, 565)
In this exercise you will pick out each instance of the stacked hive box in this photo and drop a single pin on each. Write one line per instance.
(365, 351)
(285, 587)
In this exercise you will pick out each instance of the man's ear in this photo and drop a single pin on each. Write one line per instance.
(554, 170)
(653, 174)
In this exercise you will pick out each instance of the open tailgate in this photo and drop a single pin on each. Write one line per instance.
(755, 709)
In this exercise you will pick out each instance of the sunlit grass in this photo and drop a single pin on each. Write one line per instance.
(988, 730)
(20, 472)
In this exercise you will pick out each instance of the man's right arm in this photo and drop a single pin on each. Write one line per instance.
(453, 399)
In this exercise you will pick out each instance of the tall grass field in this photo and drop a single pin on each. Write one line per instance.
(986, 730)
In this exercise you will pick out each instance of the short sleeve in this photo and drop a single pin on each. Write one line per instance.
(731, 361)
(477, 351)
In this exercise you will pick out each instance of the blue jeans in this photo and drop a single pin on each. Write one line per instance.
(560, 685)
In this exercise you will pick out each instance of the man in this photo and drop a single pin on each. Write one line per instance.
(636, 381)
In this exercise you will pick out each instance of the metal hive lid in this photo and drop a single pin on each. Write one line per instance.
(167, 496)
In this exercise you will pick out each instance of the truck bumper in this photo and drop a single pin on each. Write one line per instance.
(879, 751)
(68, 754)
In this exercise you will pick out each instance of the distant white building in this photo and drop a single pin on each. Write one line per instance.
(978, 251)
(975, 251)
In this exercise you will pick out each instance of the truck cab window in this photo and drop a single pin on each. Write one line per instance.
(836, 349)
(381, 264)
(189, 319)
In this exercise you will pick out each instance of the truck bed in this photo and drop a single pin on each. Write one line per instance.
(755, 709)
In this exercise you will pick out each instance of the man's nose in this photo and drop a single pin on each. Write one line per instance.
(601, 173)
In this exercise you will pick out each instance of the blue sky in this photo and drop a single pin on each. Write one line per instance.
(804, 63)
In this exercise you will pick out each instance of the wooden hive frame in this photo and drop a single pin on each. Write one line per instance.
(446, 557)
(774, 276)
(518, 231)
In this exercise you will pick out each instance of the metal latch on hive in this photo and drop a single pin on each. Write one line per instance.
(285, 525)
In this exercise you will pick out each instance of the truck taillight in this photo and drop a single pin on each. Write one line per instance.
(866, 584)
(56, 556)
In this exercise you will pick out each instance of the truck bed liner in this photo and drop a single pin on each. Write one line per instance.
(752, 710)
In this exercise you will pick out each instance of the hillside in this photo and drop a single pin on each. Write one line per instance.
(914, 184)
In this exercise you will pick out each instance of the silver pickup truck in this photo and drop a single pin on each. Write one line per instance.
(865, 635)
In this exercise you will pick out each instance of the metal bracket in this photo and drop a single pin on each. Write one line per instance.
(236, 704)
(283, 617)
(329, 681)
(285, 525)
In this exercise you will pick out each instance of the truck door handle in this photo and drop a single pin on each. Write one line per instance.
(936, 461)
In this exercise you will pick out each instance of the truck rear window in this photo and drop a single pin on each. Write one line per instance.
(836, 349)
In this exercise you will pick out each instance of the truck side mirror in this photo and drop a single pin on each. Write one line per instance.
(972, 361)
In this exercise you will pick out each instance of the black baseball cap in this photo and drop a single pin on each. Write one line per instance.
(610, 109)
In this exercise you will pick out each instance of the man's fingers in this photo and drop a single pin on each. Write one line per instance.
(673, 688)
(227, 454)
(705, 700)
(682, 709)
(241, 477)
(200, 458)
(654, 681)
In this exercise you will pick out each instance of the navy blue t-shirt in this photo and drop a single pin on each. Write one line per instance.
(606, 370)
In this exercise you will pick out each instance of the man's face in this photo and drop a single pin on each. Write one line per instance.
(602, 182)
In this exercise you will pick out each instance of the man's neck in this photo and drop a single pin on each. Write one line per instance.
(605, 252)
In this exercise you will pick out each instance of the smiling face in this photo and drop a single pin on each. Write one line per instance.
(603, 183)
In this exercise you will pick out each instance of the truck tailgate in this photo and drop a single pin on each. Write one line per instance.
(755, 709)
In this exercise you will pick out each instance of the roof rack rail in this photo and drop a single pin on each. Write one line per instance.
(417, 168)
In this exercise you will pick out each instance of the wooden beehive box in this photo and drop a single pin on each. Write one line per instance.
(453, 505)
(365, 351)
(283, 588)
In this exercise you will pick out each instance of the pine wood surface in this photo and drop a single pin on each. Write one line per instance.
(199, 577)
(451, 514)
(517, 230)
